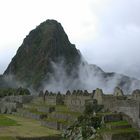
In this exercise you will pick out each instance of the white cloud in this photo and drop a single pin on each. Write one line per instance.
(106, 31)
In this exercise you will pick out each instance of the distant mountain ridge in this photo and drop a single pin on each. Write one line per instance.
(46, 57)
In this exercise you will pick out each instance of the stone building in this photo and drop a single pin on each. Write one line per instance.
(77, 99)
(18, 99)
(10, 104)
(98, 95)
(136, 94)
(118, 102)
(54, 99)
(118, 92)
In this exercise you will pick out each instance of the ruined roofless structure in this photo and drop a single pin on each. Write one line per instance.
(117, 102)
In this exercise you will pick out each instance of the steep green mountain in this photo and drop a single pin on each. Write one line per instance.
(46, 44)
(47, 60)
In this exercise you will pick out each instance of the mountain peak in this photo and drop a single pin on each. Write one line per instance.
(47, 43)
(47, 60)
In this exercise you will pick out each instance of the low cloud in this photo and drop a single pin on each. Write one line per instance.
(116, 45)
(89, 77)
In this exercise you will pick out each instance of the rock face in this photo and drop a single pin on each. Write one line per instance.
(46, 44)
(47, 56)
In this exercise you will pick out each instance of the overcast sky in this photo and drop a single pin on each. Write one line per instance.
(107, 32)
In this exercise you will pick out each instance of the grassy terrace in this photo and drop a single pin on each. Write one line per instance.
(127, 130)
(58, 120)
(117, 131)
(118, 123)
(63, 109)
(12, 126)
(34, 110)
(5, 121)
(7, 138)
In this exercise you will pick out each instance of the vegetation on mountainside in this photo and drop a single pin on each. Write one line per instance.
(46, 44)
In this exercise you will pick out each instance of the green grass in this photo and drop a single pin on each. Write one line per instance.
(117, 131)
(118, 123)
(7, 138)
(5, 121)
(58, 120)
(127, 130)
(27, 128)
(106, 113)
(63, 109)
(76, 114)
(34, 110)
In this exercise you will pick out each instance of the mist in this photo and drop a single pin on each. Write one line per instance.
(89, 77)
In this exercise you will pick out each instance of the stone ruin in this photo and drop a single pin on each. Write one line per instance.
(136, 94)
(98, 94)
(76, 100)
(118, 92)
(53, 98)
(116, 102)
(9, 104)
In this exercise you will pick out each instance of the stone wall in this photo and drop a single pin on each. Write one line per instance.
(136, 95)
(50, 124)
(128, 107)
(18, 99)
(63, 116)
(53, 98)
(46, 109)
(120, 103)
(98, 95)
(54, 125)
(76, 102)
(118, 92)
(7, 107)
(28, 114)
